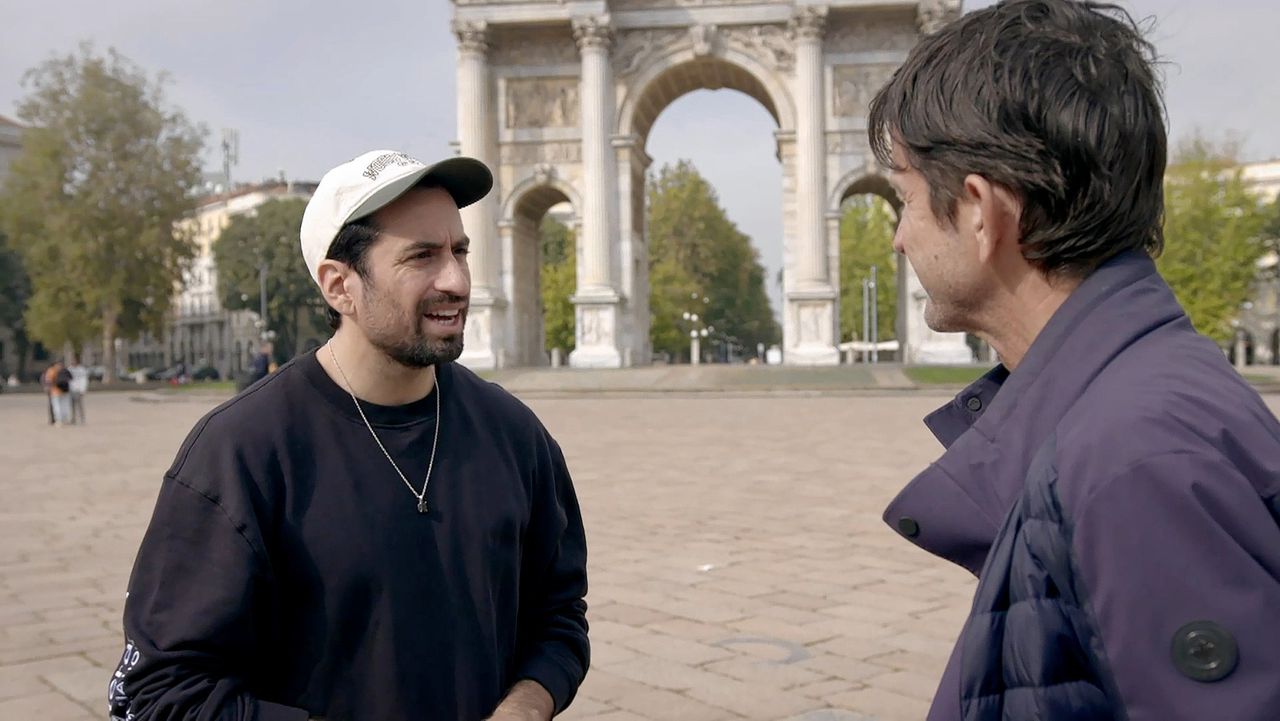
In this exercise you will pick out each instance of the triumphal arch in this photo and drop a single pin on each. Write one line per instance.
(558, 97)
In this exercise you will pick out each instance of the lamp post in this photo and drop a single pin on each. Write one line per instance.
(696, 333)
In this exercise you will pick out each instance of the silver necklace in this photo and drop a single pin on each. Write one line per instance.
(422, 497)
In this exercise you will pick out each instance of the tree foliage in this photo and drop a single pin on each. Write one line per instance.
(106, 171)
(559, 281)
(695, 248)
(866, 239)
(270, 235)
(1214, 236)
(15, 289)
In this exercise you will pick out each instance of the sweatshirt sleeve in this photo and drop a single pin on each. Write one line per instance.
(1181, 574)
(192, 617)
(554, 650)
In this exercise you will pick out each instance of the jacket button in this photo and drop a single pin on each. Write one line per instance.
(974, 404)
(908, 527)
(1204, 651)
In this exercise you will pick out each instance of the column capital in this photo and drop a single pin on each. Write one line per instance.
(932, 15)
(809, 22)
(593, 31)
(473, 36)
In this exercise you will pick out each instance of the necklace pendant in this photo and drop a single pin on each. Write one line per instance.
(422, 505)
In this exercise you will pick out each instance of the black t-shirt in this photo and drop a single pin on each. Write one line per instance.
(287, 571)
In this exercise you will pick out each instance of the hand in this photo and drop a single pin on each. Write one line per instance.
(527, 701)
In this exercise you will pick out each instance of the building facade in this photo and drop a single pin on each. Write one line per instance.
(201, 333)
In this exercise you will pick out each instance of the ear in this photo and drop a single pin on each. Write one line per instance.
(994, 215)
(339, 285)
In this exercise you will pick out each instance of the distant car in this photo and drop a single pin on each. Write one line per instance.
(206, 373)
(172, 374)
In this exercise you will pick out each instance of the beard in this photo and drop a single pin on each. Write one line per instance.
(403, 339)
(421, 351)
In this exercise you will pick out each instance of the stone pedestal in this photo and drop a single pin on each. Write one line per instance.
(596, 334)
(925, 346)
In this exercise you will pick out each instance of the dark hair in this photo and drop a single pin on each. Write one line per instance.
(351, 246)
(1056, 100)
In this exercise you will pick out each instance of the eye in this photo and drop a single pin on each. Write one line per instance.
(462, 251)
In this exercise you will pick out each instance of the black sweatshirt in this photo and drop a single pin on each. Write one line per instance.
(287, 571)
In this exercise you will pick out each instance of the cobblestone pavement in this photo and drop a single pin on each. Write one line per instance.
(739, 568)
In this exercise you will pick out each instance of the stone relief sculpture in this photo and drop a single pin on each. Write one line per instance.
(542, 103)
(590, 331)
(771, 43)
(931, 15)
(531, 49)
(870, 35)
(856, 85)
(703, 38)
(637, 48)
(541, 152)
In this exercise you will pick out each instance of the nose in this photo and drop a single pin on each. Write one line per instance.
(897, 241)
(455, 277)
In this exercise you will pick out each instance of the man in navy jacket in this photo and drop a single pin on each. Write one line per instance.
(1114, 483)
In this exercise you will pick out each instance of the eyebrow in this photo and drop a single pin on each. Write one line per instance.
(420, 245)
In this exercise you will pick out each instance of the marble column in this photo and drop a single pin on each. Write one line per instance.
(811, 296)
(596, 300)
(811, 261)
(594, 38)
(477, 138)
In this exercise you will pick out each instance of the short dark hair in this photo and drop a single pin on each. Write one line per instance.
(1056, 100)
(351, 246)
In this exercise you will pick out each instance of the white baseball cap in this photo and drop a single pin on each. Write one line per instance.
(360, 187)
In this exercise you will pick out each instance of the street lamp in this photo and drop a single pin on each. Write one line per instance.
(696, 334)
(262, 297)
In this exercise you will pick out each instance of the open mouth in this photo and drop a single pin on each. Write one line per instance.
(445, 319)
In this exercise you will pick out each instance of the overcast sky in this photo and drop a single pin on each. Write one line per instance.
(310, 83)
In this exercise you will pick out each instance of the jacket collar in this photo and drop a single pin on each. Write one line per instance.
(992, 428)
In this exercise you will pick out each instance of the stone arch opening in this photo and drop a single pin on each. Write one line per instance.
(863, 216)
(668, 81)
(653, 89)
(530, 206)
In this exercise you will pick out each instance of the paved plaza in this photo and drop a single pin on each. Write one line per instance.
(739, 568)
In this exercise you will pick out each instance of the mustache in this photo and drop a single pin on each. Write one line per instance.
(430, 304)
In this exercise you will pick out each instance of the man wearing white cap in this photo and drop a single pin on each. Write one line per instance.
(371, 532)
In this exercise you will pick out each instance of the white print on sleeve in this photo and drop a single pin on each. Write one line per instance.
(117, 700)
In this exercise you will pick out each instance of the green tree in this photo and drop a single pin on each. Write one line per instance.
(559, 281)
(866, 238)
(93, 201)
(270, 235)
(1213, 228)
(695, 248)
(15, 289)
